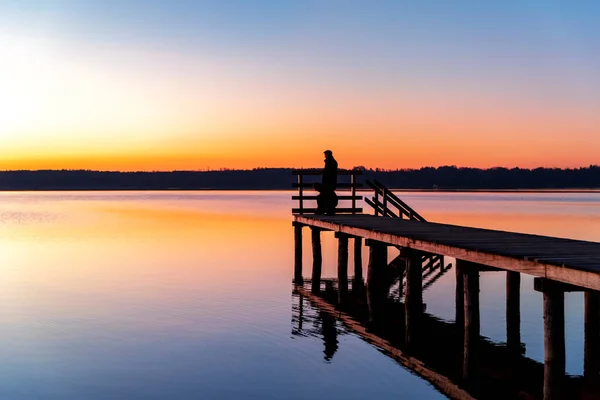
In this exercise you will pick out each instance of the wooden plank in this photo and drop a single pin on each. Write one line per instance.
(312, 210)
(319, 171)
(342, 185)
(543, 285)
(311, 197)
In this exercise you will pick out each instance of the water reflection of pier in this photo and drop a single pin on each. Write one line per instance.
(435, 350)
(452, 356)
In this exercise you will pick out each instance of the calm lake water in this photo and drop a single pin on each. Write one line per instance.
(188, 295)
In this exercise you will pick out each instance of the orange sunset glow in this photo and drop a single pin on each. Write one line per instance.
(163, 95)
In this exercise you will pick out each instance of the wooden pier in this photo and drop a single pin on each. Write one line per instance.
(559, 265)
(574, 262)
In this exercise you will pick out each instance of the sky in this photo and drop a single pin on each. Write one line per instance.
(172, 85)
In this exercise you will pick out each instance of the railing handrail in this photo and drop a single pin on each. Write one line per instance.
(301, 185)
(319, 171)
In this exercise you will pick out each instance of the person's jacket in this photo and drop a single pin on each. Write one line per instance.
(330, 173)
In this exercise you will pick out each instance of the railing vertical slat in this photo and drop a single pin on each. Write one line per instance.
(353, 182)
(300, 193)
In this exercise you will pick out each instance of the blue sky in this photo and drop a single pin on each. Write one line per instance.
(517, 57)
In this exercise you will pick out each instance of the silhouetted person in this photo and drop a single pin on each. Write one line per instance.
(327, 199)
(330, 171)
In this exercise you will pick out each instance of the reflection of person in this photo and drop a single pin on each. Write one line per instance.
(327, 199)
(329, 331)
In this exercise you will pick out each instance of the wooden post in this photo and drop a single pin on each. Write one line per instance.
(377, 259)
(413, 299)
(298, 279)
(554, 342)
(376, 201)
(591, 365)
(375, 293)
(471, 323)
(357, 283)
(358, 270)
(342, 266)
(513, 312)
(317, 260)
(300, 193)
(459, 296)
(401, 273)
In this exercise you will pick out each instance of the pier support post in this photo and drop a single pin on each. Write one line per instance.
(317, 260)
(459, 296)
(401, 274)
(298, 279)
(471, 323)
(513, 312)
(375, 293)
(358, 268)
(591, 365)
(554, 341)
(342, 266)
(413, 299)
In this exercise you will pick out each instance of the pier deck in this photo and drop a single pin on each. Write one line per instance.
(568, 261)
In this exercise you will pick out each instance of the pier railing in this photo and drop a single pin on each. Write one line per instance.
(386, 203)
(308, 177)
(390, 205)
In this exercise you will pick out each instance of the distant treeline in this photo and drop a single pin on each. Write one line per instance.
(281, 178)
